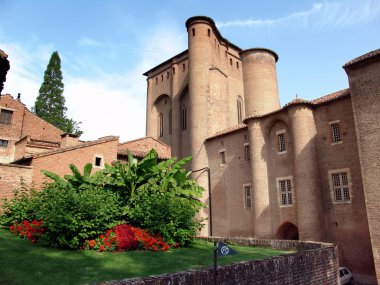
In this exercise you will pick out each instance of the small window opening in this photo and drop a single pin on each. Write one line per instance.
(167, 74)
(156, 80)
(335, 133)
(183, 67)
(237, 65)
(193, 31)
(3, 144)
(281, 142)
(231, 61)
(239, 110)
(246, 152)
(208, 32)
(248, 196)
(162, 77)
(341, 187)
(286, 197)
(6, 117)
(222, 157)
(98, 161)
(161, 122)
(173, 70)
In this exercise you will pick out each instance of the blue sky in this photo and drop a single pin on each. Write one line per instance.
(105, 46)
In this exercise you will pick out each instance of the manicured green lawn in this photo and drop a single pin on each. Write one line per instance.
(22, 262)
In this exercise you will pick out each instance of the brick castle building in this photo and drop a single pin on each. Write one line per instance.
(308, 170)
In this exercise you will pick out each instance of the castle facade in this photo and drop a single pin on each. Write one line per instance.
(307, 170)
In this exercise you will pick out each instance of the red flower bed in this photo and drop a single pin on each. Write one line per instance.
(29, 230)
(125, 237)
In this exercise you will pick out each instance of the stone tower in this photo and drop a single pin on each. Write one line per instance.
(261, 97)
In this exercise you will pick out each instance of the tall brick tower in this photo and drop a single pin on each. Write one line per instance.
(364, 79)
(261, 97)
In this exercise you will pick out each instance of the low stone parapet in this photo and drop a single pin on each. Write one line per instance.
(311, 263)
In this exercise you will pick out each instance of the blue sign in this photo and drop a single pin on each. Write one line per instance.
(224, 249)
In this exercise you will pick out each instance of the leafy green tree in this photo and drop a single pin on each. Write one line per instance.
(50, 103)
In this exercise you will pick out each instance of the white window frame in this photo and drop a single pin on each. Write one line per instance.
(247, 198)
(247, 150)
(341, 187)
(289, 191)
(101, 166)
(333, 133)
(278, 133)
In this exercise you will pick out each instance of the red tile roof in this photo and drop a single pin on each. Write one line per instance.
(140, 147)
(331, 97)
(319, 101)
(362, 58)
(61, 150)
(227, 131)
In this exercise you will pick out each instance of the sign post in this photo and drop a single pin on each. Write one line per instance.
(215, 261)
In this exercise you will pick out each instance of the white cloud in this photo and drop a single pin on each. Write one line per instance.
(325, 15)
(106, 103)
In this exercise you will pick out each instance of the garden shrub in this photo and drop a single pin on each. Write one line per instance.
(156, 196)
(25, 205)
(71, 217)
(167, 214)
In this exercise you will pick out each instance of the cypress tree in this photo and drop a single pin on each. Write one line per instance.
(50, 103)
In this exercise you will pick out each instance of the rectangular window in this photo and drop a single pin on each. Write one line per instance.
(3, 143)
(6, 117)
(161, 122)
(248, 196)
(98, 161)
(335, 132)
(340, 187)
(222, 157)
(281, 142)
(286, 195)
(246, 152)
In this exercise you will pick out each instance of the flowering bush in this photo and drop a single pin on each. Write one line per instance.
(125, 237)
(29, 230)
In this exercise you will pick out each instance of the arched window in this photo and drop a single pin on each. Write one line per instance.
(239, 109)
(183, 118)
(170, 121)
(161, 122)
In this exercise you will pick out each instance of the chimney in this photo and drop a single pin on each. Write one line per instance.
(19, 97)
(68, 140)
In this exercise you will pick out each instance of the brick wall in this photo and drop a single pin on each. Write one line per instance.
(230, 216)
(314, 263)
(58, 161)
(10, 175)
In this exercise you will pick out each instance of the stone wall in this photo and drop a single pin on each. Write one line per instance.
(313, 263)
